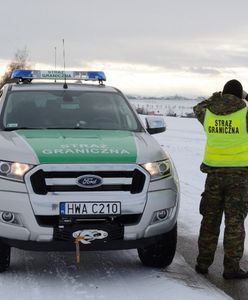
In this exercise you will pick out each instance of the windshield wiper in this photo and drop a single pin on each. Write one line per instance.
(17, 128)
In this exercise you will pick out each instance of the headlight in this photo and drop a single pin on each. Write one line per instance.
(158, 169)
(13, 170)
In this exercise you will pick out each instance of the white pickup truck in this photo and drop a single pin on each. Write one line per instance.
(79, 171)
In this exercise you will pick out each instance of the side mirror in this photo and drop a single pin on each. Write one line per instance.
(155, 125)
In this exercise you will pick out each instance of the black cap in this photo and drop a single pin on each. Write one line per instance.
(233, 87)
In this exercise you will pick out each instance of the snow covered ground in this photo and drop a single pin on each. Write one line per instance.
(119, 274)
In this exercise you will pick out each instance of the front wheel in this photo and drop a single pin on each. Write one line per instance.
(4, 257)
(161, 253)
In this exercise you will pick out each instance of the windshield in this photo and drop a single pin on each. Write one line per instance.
(68, 109)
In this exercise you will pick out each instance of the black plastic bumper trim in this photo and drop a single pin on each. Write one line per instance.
(70, 246)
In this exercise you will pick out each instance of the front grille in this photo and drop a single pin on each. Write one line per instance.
(76, 188)
(75, 174)
(44, 182)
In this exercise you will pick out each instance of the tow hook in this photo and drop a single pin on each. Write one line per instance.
(86, 237)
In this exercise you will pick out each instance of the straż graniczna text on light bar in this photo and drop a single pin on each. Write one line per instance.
(56, 74)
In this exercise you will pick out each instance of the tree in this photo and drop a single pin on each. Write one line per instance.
(20, 61)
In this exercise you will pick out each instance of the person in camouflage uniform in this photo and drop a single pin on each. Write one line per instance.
(226, 186)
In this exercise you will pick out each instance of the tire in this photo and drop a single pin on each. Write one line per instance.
(4, 257)
(160, 254)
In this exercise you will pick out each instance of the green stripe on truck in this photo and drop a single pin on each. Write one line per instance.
(81, 146)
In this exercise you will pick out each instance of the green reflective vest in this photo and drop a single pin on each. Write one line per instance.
(227, 139)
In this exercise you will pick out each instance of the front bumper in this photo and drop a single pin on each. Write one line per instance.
(30, 234)
(69, 246)
(29, 229)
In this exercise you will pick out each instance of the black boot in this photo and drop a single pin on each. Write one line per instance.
(241, 274)
(201, 270)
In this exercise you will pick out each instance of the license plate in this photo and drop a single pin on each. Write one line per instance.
(90, 208)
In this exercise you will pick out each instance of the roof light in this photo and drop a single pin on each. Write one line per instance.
(56, 74)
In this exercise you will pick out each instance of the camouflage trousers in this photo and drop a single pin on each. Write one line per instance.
(224, 194)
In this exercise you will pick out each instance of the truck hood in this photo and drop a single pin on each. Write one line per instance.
(78, 146)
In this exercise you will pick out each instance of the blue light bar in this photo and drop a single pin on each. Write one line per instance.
(56, 74)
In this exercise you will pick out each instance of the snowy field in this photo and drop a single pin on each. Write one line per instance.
(165, 107)
(119, 274)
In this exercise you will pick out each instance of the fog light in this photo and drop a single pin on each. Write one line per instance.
(162, 214)
(8, 217)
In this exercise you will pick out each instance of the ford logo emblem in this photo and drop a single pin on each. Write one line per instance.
(89, 181)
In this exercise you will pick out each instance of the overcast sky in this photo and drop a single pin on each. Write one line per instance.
(158, 47)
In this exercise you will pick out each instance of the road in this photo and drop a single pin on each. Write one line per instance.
(237, 289)
(106, 275)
